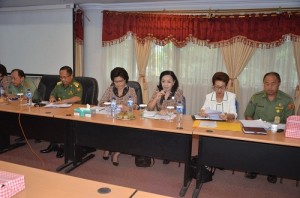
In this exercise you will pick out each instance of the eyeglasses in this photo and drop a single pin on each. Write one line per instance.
(219, 87)
(118, 81)
(64, 77)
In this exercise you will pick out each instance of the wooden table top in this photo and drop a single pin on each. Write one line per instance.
(141, 123)
(41, 183)
(17, 107)
(271, 138)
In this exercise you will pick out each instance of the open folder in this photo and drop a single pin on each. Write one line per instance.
(225, 126)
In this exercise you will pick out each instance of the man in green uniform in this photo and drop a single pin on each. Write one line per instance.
(66, 91)
(271, 105)
(20, 84)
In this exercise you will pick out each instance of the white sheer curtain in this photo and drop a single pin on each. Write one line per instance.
(195, 65)
(279, 59)
(118, 55)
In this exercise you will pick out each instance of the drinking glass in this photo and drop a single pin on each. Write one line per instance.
(107, 108)
(142, 110)
(20, 97)
(170, 113)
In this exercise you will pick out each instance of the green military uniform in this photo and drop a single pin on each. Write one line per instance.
(25, 85)
(259, 107)
(60, 92)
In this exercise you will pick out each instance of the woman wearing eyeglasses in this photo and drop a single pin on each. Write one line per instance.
(220, 99)
(4, 79)
(121, 92)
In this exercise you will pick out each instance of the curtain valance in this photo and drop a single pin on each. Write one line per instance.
(259, 30)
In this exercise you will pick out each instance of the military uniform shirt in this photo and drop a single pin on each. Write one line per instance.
(60, 92)
(259, 107)
(26, 84)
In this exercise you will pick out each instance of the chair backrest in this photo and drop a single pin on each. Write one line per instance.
(184, 105)
(89, 86)
(90, 90)
(138, 90)
(46, 85)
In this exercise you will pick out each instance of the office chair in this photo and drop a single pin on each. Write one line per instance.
(46, 85)
(138, 90)
(90, 90)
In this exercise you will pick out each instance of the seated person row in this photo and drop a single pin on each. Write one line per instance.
(4, 79)
(20, 84)
(270, 105)
(121, 92)
(220, 99)
(166, 94)
(67, 90)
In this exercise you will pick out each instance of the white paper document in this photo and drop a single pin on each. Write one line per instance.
(255, 123)
(52, 105)
(209, 117)
(157, 116)
(99, 110)
(208, 124)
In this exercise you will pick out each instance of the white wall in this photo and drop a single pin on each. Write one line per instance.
(37, 39)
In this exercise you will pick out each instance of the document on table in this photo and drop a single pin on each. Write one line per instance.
(211, 115)
(255, 127)
(52, 105)
(208, 124)
(99, 110)
(157, 116)
(255, 123)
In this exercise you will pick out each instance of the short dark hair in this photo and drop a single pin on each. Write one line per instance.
(272, 74)
(221, 76)
(67, 68)
(172, 74)
(119, 71)
(20, 72)
(3, 70)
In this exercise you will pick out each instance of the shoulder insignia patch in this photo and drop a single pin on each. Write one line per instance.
(291, 106)
(76, 84)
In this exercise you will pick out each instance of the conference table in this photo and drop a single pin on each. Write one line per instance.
(31, 122)
(148, 137)
(141, 136)
(271, 154)
(42, 183)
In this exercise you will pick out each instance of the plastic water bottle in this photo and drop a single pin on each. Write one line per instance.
(2, 92)
(28, 97)
(113, 107)
(179, 112)
(130, 105)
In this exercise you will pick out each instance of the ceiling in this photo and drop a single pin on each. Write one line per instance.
(179, 4)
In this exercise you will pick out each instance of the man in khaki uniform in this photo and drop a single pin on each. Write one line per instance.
(271, 105)
(20, 84)
(66, 91)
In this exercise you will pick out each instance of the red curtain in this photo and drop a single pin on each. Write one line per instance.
(180, 29)
(78, 26)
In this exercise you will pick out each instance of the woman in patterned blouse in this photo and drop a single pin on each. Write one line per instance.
(166, 94)
(121, 92)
